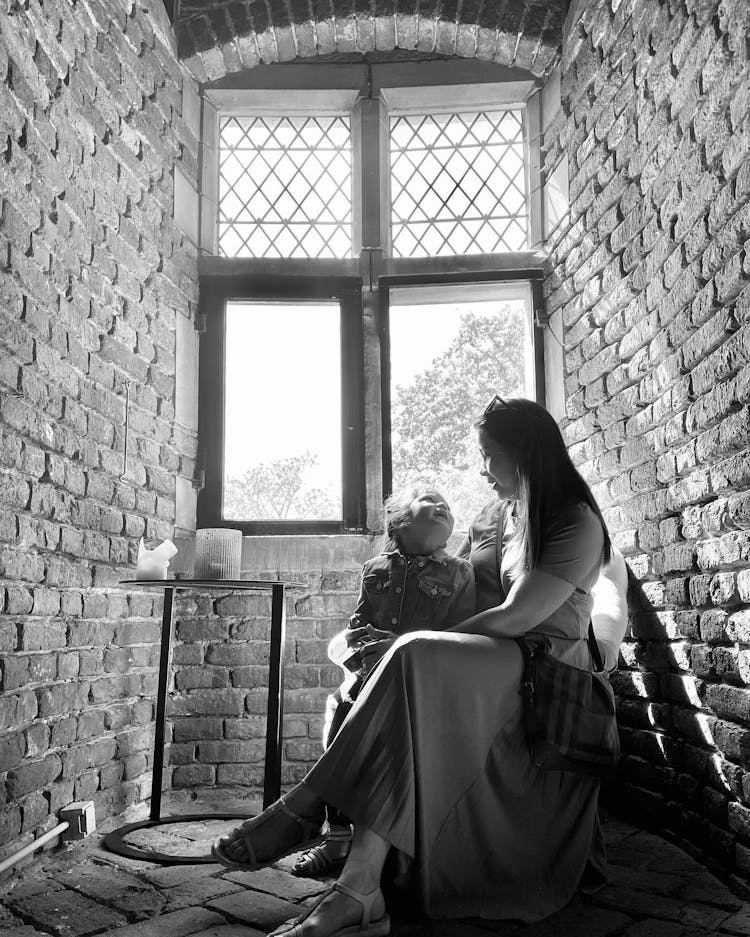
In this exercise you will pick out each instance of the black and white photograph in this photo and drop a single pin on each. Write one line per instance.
(375, 468)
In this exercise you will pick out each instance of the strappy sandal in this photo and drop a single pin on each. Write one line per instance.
(292, 833)
(319, 861)
(365, 928)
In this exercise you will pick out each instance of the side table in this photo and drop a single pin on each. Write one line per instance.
(115, 841)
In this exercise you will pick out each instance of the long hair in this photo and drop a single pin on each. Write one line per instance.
(545, 474)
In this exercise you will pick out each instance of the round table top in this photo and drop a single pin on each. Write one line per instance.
(249, 585)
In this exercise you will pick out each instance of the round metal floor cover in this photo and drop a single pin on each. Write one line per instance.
(172, 840)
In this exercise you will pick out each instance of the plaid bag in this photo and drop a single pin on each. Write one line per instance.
(568, 712)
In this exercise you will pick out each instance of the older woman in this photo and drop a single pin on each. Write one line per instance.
(432, 759)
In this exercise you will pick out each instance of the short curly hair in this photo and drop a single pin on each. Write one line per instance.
(397, 513)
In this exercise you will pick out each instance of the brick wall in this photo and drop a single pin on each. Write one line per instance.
(650, 273)
(93, 278)
(216, 38)
(218, 705)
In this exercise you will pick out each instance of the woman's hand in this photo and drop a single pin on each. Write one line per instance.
(532, 598)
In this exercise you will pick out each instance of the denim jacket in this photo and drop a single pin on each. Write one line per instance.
(402, 594)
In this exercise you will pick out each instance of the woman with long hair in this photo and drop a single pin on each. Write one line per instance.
(432, 761)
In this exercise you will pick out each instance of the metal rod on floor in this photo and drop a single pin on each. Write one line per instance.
(32, 847)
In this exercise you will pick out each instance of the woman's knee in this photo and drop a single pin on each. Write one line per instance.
(418, 646)
(434, 650)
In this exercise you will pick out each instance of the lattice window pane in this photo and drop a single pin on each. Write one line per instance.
(285, 187)
(458, 184)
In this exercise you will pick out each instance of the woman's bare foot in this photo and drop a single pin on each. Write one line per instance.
(336, 911)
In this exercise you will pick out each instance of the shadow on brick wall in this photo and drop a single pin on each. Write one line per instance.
(681, 769)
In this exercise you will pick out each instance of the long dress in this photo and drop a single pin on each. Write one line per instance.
(433, 759)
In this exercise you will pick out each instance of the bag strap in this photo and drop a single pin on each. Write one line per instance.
(527, 650)
(594, 648)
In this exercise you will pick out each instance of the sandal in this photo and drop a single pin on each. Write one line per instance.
(319, 861)
(287, 832)
(365, 928)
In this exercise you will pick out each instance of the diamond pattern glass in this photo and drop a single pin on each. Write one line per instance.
(285, 187)
(458, 184)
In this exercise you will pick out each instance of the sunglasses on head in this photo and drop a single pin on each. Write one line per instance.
(496, 403)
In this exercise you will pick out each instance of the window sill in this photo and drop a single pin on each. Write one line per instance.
(303, 552)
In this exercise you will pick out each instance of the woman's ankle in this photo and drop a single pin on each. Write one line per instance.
(364, 866)
(360, 878)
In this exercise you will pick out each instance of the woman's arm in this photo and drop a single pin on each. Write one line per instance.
(532, 598)
(609, 615)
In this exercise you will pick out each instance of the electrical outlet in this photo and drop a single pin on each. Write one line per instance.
(82, 819)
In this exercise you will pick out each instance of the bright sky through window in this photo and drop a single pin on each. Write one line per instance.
(283, 413)
(447, 360)
(282, 417)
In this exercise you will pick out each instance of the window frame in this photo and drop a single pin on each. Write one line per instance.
(216, 292)
(532, 276)
(405, 101)
(370, 273)
(310, 102)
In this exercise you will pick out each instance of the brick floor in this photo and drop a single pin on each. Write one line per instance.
(655, 890)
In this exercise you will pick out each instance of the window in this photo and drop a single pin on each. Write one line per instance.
(281, 411)
(285, 186)
(452, 347)
(366, 233)
(282, 438)
(458, 183)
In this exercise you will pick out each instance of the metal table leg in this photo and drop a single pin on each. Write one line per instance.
(161, 704)
(116, 840)
(275, 708)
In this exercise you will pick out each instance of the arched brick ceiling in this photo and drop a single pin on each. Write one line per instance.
(218, 37)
